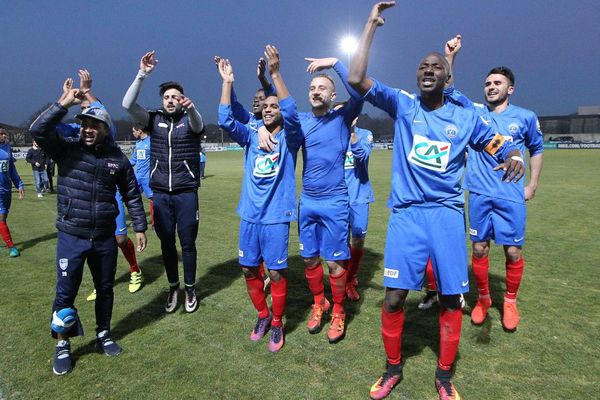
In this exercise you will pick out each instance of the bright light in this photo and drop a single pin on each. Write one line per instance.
(349, 44)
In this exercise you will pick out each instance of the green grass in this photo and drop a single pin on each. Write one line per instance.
(553, 355)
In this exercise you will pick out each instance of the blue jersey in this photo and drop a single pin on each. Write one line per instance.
(326, 140)
(8, 172)
(356, 166)
(518, 126)
(244, 116)
(429, 147)
(140, 158)
(269, 184)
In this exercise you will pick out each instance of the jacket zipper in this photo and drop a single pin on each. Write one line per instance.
(170, 155)
(93, 202)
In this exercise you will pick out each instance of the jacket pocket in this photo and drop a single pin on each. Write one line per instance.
(154, 169)
(66, 211)
(188, 168)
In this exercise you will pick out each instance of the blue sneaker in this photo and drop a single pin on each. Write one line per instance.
(106, 345)
(62, 358)
(262, 327)
(14, 252)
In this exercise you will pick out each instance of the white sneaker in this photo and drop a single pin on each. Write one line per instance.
(40, 195)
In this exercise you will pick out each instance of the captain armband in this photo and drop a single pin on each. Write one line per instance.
(494, 144)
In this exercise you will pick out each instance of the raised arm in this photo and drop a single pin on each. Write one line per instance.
(272, 55)
(451, 49)
(357, 77)
(139, 113)
(320, 64)
(238, 131)
(260, 74)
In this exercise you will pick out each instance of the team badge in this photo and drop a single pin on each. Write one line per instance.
(266, 165)
(451, 131)
(429, 154)
(4, 166)
(349, 160)
(513, 128)
(63, 263)
(141, 154)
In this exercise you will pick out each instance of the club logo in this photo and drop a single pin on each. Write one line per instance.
(513, 128)
(4, 166)
(429, 154)
(63, 263)
(349, 160)
(141, 154)
(451, 131)
(266, 166)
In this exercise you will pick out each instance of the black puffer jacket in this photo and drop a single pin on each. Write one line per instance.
(87, 181)
(174, 153)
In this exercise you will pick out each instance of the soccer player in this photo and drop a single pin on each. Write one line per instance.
(356, 167)
(8, 177)
(427, 201)
(174, 176)
(268, 200)
(37, 158)
(140, 160)
(497, 211)
(89, 171)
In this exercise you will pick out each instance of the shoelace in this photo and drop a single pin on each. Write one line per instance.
(447, 386)
(135, 279)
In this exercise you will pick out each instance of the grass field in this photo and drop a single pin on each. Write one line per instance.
(554, 354)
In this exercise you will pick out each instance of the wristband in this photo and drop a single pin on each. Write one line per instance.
(517, 158)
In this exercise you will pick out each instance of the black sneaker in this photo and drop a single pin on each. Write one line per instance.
(171, 305)
(106, 345)
(191, 302)
(62, 358)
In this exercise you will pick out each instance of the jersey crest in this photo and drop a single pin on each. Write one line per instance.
(266, 165)
(429, 154)
(141, 154)
(349, 160)
(3, 165)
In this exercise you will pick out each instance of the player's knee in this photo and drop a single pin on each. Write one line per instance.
(452, 302)
(335, 269)
(481, 250)
(394, 299)
(358, 243)
(121, 239)
(513, 254)
(250, 273)
(276, 275)
(2, 217)
(311, 262)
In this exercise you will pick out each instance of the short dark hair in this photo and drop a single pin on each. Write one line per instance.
(329, 78)
(503, 71)
(170, 85)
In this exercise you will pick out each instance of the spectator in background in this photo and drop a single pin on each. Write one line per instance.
(140, 161)
(202, 163)
(37, 158)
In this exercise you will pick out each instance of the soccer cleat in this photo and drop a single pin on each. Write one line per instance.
(104, 344)
(336, 330)
(135, 281)
(13, 252)
(172, 299)
(191, 301)
(261, 328)
(446, 389)
(428, 300)
(92, 296)
(510, 317)
(276, 340)
(386, 382)
(480, 310)
(314, 322)
(351, 291)
(62, 358)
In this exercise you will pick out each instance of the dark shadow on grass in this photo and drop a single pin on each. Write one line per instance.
(217, 278)
(24, 245)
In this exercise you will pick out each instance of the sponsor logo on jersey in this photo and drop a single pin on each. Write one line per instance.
(266, 165)
(141, 154)
(391, 273)
(349, 160)
(429, 154)
(451, 131)
(63, 263)
(4, 166)
(472, 231)
(338, 253)
(513, 128)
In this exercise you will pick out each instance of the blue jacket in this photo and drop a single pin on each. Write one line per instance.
(87, 181)
(174, 153)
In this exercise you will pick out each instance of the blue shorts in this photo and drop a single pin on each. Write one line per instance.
(144, 185)
(498, 219)
(264, 242)
(121, 221)
(359, 220)
(323, 225)
(419, 232)
(5, 200)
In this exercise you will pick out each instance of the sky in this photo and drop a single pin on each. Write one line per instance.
(553, 47)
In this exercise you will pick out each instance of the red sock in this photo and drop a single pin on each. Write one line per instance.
(128, 250)
(5, 233)
(152, 212)
(391, 332)
(431, 286)
(354, 262)
(278, 297)
(338, 291)
(480, 270)
(314, 276)
(450, 324)
(514, 273)
(256, 291)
